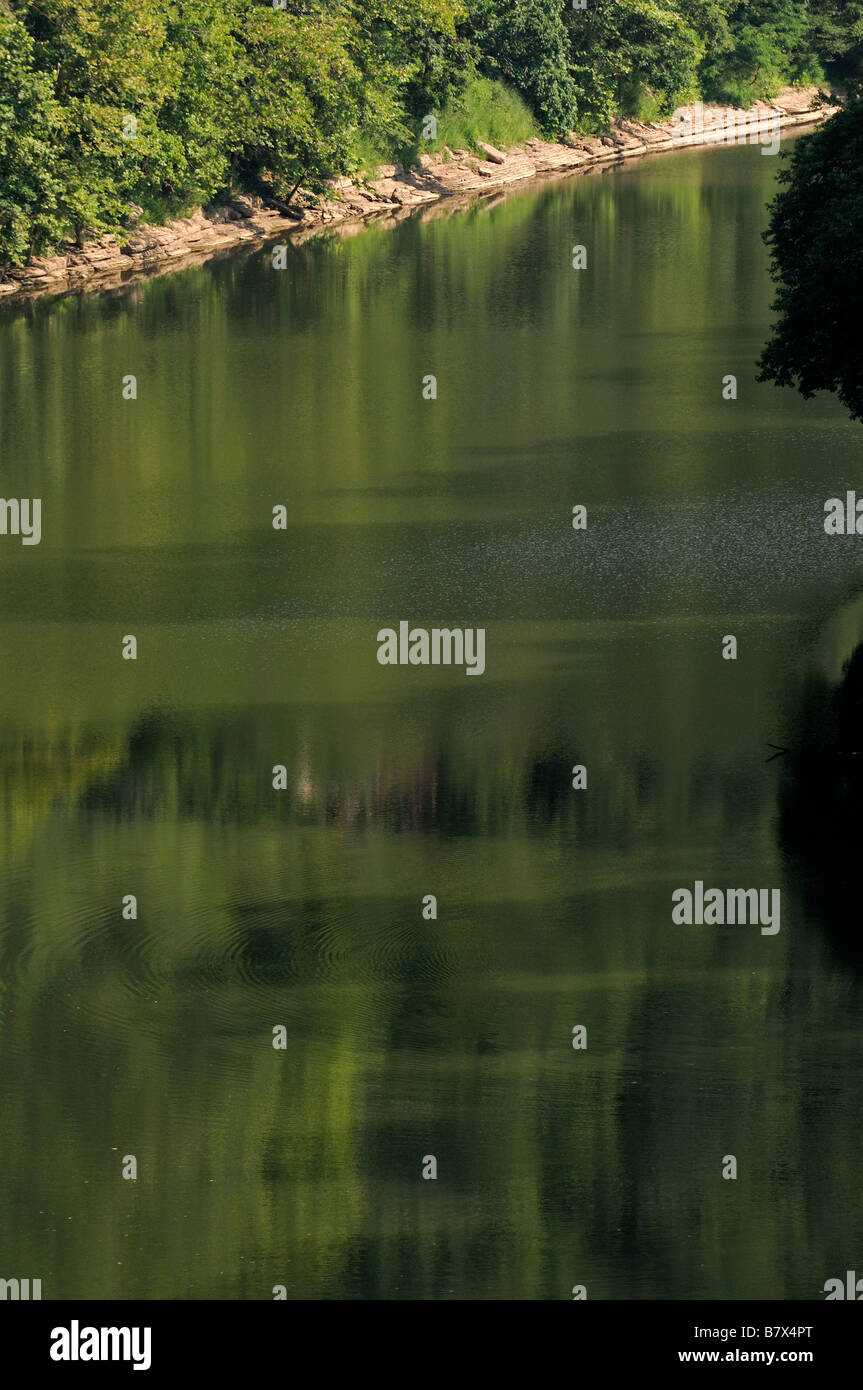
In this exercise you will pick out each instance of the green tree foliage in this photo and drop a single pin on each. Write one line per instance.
(130, 102)
(110, 105)
(836, 36)
(627, 50)
(301, 95)
(28, 153)
(773, 42)
(105, 66)
(769, 48)
(416, 50)
(525, 43)
(815, 236)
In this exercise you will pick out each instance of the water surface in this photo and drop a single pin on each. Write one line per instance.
(303, 908)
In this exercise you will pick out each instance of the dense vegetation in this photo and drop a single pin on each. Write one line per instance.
(163, 104)
(815, 235)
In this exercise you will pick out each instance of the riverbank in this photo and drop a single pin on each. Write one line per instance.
(445, 180)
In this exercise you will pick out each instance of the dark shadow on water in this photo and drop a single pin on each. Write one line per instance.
(821, 807)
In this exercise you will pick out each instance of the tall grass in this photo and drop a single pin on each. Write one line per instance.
(485, 110)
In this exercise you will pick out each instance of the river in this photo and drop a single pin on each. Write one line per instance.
(409, 1037)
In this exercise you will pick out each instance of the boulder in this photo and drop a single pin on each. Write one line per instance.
(492, 155)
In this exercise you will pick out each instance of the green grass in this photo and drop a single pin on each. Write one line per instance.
(485, 110)
(370, 152)
(645, 106)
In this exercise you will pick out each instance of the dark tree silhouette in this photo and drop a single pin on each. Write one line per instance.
(816, 239)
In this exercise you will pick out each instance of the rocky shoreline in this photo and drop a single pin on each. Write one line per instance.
(444, 180)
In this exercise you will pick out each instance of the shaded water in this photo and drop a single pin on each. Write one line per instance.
(257, 647)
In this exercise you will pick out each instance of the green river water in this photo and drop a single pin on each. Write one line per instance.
(302, 907)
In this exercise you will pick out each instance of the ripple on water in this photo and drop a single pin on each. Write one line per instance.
(245, 959)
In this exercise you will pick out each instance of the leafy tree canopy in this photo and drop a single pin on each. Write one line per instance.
(164, 104)
(816, 239)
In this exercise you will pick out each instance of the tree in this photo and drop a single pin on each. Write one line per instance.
(815, 236)
(28, 152)
(415, 49)
(625, 49)
(524, 42)
(836, 35)
(106, 64)
(302, 95)
(769, 48)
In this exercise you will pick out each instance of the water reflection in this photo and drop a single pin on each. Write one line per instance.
(822, 805)
(256, 908)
